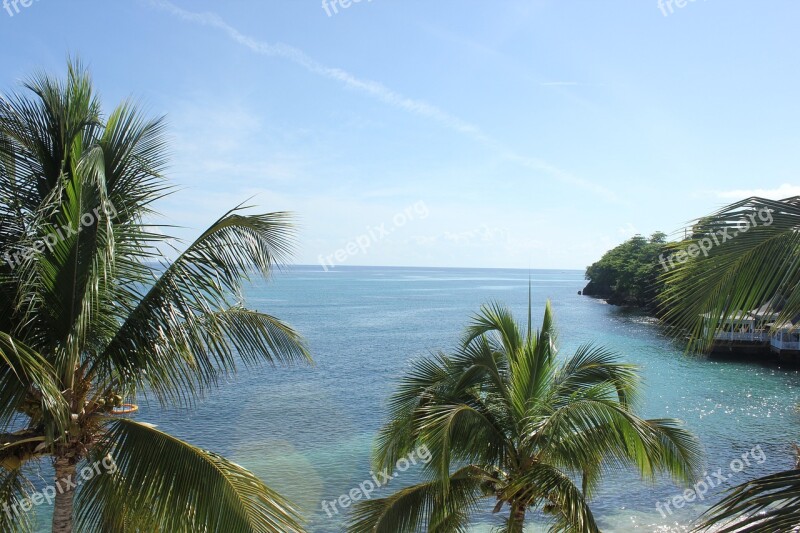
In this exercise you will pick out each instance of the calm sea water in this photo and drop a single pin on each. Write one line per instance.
(308, 431)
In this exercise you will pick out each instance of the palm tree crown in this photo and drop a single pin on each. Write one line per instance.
(505, 418)
(91, 313)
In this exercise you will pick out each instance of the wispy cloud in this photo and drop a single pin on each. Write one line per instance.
(285, 51)
(784, 191)
(382, 93)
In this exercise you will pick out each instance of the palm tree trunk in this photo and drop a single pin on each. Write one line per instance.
(65, 495)
(517, 521)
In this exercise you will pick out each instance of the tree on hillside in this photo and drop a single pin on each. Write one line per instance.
(629, 273)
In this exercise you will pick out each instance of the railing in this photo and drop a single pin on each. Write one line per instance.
(749, 336)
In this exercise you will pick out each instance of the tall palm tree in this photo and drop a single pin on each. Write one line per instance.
(91, 312)
(754, 262)
(504, 418)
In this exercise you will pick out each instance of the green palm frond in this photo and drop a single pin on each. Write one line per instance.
(14, 488)
(753, 262)
(177, 341)
(594, 427)
(422, 507)
(479, 364)
(461, 433)
(532, 369)
(180, 487)
(557, 489)
(23, 372)
(420, 384)
(765, 505)
(592, 365)
(44, 128)
(257, 337)
(497, 319)
(744, 271)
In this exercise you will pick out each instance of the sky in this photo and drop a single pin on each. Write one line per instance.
(446, 133)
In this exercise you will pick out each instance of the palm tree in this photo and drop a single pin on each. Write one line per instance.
(504, 418)
(754, 262)
(91, 312)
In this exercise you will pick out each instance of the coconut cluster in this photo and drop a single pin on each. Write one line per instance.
(109, 402)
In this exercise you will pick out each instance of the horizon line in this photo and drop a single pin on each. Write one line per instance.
(429, 267)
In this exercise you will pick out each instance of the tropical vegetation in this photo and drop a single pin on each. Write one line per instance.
(506, 419)
(629, 273)
(93, 314)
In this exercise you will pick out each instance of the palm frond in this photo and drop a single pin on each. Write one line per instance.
(543, 483)
(461, 433)
(764, 505)
(424, 507)
(25, 373)
(592, 365)
(164, 342)
(496, 319)
(531, 368)
(756, 261)
(595, 427)
(417, 388)
(14, 488)
(181, 488)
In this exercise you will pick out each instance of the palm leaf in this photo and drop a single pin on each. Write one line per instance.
(24, 372)
(180, 487)
(423, 507)
(765, 505)
(164, 342)
(14, 488)
(544, 482)
(746, 270)
(591, 365)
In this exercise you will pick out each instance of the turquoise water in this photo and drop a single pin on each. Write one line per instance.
(308, 431)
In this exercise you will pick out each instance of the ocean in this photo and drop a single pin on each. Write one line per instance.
(308, 432)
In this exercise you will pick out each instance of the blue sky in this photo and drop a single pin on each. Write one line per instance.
(529, 134)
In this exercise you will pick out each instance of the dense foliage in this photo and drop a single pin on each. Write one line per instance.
(629, 274)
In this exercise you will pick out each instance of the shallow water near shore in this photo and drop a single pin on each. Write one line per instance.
(308, 431)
